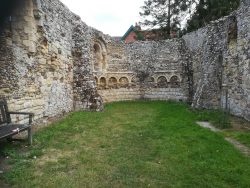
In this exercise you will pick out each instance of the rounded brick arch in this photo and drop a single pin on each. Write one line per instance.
(174, 82)
(174, 75)
(112, 82)
(100, 56)
(161, 76)
(162, 82)
(97, 48)
(97, 56)
(124, 82)
(102, 82)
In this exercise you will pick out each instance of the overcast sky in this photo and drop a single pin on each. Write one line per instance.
(113, 17)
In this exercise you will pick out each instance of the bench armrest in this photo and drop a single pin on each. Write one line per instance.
(31, 115)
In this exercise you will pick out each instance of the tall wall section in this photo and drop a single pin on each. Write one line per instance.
(45, 60)
(221, 63)
(51, 63)
(147, 70)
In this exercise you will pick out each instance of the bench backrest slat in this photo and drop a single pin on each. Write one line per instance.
(4, 117)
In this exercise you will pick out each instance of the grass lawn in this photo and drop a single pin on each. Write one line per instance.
(231, 126)
(130, 144)
(240, 131)
(242, 137)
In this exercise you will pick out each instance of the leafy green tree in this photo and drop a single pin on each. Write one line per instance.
(209, 10)
(165, 14)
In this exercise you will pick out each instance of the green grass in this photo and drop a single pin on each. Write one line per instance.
(130, 144)
(218, 118)
(242, 137)
(226, 123)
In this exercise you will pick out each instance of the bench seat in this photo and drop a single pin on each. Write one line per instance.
(9, 129)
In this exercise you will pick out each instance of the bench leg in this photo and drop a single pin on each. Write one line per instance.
(30, 136)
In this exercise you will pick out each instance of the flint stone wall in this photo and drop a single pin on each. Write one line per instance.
(52, 63)
(45, 60)
(143, 70)
(221, 63)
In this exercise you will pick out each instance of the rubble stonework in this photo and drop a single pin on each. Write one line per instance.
(143, 70)
(52, 63)
(221, 62)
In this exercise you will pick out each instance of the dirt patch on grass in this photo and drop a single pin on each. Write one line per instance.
(53, 155)
(239, 124)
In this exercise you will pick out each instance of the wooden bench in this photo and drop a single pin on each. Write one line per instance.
(7, 128)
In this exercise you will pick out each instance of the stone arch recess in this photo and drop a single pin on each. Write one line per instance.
(174, 82)
(102, 82)
(124, 82)
(162, 82)
(100, 56)
(112, 82)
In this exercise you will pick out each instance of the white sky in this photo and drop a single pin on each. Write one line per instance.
(113, 17)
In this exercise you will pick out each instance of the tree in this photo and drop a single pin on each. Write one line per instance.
(208, 10)
(165, 14)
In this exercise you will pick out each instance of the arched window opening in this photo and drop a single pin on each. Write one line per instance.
(100, 56)
(102, 82)
(112, 82)
(174, 82)
(162, 82)
(97, 57)
(124, 82)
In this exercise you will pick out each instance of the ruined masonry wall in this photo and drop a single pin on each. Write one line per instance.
(221, 63)
(41, 70)
(143, 70)
(52, 63)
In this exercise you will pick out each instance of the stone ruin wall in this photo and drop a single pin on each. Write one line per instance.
(45, 60)
(221, 63)
(53, 63)
(22, 74)
(211, 65)
(142, 70)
